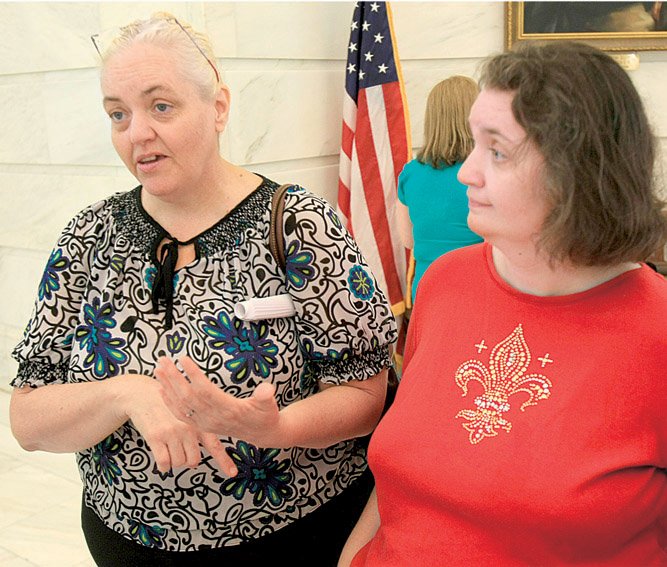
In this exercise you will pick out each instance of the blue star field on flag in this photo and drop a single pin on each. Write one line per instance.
(370, 59)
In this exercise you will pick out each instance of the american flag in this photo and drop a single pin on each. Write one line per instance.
(375, 146)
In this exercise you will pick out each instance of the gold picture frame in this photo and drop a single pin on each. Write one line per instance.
(613, 31)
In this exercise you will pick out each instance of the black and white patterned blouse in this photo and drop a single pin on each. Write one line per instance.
(93, 319)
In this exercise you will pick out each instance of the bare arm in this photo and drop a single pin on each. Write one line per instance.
(335, 413)
(363, 532)
(62, 418)
(404, 225)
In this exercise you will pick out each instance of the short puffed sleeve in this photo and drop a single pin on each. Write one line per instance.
(44, 351)
(344, 322)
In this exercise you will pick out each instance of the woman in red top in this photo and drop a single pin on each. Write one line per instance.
(529, 427)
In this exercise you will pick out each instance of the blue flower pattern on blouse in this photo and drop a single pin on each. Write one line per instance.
(360, 282)
(175, 343)
(104, 457)
(260, 474)
(117, 262)
(334, 219)
(298, 265)
(249, 347)
(50, 279)
(104, 351)
(150, 536)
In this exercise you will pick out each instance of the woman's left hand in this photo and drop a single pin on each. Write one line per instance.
(194, 399)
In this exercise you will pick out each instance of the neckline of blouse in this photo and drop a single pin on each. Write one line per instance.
(163, 288)
(162, 232)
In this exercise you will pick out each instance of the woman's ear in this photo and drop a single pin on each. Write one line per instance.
(222, 100)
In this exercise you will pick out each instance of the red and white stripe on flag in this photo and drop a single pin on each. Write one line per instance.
(374, 148)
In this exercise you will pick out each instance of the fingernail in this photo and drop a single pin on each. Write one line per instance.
(180, 368)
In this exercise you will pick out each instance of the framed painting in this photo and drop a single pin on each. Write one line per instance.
(610, 26)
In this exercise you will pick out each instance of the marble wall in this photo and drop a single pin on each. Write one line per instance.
(284, 63)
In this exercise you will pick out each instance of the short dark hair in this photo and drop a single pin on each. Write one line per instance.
(581, 110)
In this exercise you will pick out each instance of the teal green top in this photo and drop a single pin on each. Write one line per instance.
(438, 208)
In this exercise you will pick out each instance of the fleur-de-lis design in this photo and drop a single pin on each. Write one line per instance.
(504, 377)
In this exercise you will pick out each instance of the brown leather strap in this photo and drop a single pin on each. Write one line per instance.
(276, 236)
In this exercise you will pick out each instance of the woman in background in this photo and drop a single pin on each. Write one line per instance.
(433, 208)
(529, 428)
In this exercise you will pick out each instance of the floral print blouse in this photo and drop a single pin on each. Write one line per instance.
(93, 320)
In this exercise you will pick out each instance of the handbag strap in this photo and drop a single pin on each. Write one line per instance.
(276, 236)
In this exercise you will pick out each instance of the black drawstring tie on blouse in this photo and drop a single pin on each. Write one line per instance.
(163, 285)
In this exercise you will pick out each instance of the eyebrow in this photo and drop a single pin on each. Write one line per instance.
(147, 92)
(497, 134)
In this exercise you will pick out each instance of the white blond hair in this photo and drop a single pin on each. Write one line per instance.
(192, 49)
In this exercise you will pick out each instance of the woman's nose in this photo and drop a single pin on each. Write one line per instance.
(469, 173)
(140, 129)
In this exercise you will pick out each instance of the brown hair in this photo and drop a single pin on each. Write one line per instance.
(447, 137)
(587, 120)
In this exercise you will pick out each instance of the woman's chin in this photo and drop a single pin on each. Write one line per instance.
(161, 191)
(478, 226)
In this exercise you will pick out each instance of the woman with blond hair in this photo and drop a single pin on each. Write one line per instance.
(433, 205)
(202, 438)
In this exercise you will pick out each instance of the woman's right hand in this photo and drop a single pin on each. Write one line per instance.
(172, 442)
